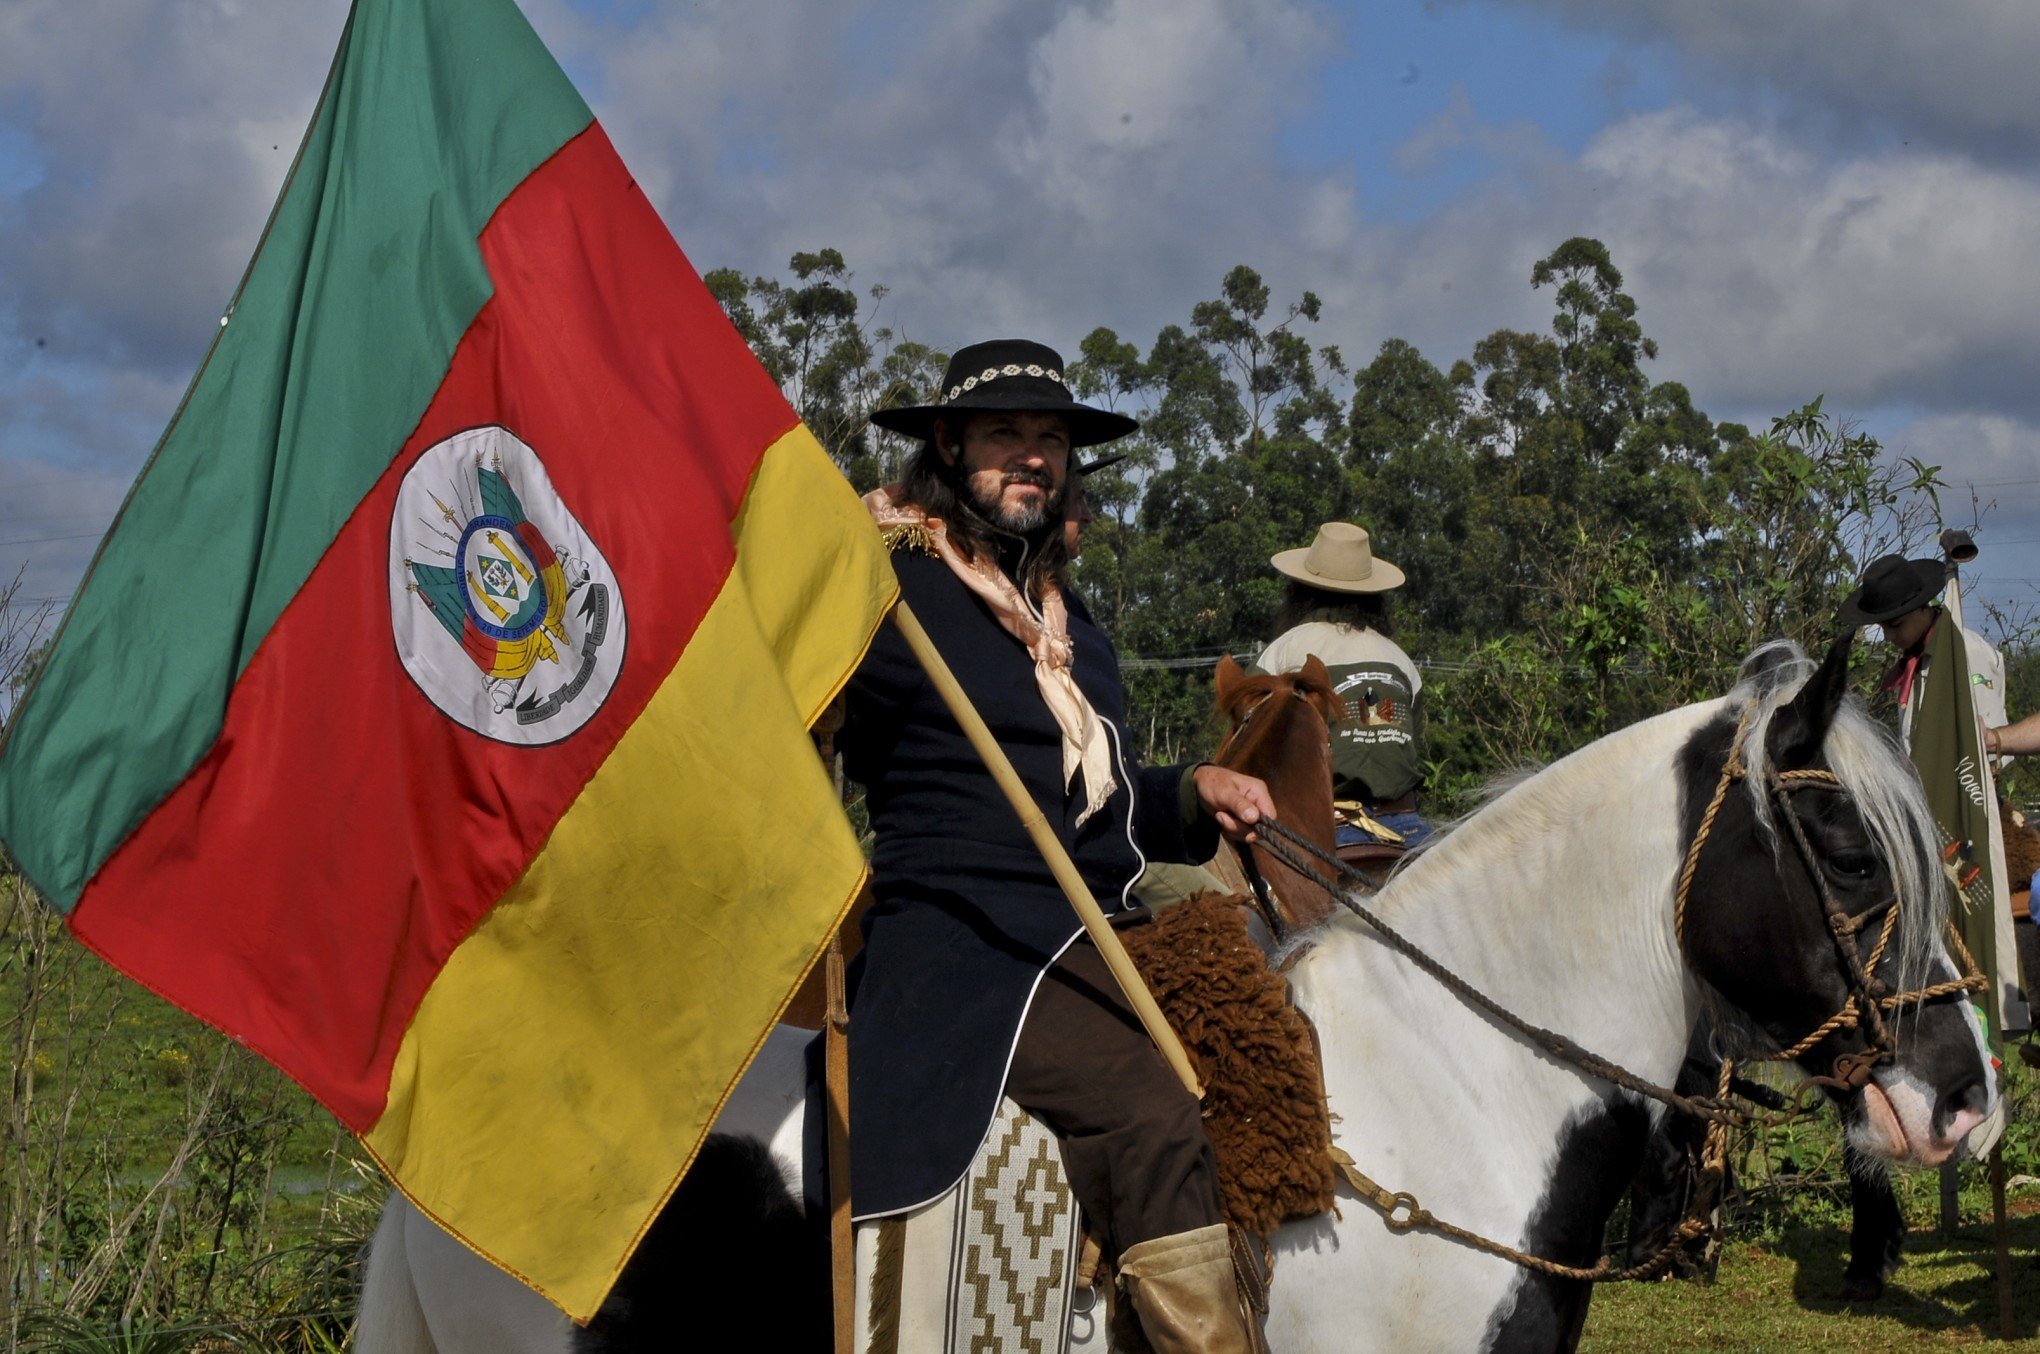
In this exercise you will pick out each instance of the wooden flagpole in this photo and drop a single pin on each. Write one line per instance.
(1045, 841)
(1957, 549)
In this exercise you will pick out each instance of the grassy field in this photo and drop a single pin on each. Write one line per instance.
(161, 1188)
(1788, 1243)
(1779, 1296)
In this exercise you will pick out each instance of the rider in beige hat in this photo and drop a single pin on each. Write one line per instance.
(1336, 608)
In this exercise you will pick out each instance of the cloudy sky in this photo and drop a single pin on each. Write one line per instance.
(1807, 197)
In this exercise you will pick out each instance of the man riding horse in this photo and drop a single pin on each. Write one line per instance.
(975, 979)
(1335, 608)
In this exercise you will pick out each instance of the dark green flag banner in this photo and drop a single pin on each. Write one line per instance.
(1945, 748)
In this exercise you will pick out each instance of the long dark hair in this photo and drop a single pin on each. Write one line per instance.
(1302, 604)
(1041, 557)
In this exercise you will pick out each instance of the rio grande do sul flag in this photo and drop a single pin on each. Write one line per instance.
(433, 718)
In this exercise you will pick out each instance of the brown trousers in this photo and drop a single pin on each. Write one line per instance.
(1132, 1141)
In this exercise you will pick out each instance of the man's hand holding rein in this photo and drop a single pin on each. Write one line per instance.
(1234, 801)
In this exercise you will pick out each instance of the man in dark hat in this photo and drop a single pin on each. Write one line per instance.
(1897, 594)
(976, 979)
(1943, 728)
(1077, 513)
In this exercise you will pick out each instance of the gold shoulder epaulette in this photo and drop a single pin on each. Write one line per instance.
(909, 536)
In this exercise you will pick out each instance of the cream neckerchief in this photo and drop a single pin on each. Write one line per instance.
(1085, 744)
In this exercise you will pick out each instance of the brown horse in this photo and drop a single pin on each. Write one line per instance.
(1281, 731)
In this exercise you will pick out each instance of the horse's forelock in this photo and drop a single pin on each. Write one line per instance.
(1249, 691)
(1241, 695)
(1874, 771)
(1320, 692)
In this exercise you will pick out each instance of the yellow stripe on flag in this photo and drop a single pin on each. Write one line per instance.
(613, 999)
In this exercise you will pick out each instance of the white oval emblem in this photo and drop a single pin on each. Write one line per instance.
(506, 614)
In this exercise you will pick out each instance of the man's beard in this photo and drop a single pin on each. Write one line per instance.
(1024, 520)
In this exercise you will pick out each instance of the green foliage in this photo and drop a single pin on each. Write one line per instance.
(1584, 546)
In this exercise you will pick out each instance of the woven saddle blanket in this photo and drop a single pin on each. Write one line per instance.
(991, 1265)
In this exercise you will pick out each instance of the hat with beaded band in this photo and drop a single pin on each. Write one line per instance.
(1006, 376)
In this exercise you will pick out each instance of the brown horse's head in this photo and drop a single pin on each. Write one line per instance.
(1280, 730)
(1239, 694)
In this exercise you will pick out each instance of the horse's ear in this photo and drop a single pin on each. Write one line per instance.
(1801, 727)
(1316, 682)
(1329, 702)
(1229, 677)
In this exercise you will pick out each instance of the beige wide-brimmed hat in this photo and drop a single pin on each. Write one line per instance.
(1339, 560)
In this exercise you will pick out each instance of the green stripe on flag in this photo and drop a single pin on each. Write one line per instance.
(365, 280)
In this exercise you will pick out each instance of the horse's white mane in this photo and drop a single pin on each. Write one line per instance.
(1874, 770)
(1864, 756)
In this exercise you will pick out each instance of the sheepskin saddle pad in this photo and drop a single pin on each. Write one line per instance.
(1256, 1054)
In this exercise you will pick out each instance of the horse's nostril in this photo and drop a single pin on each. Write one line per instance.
(1971, 1097)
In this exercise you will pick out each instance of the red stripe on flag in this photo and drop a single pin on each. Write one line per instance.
(303, 886)
(479, 646)
(537, 546)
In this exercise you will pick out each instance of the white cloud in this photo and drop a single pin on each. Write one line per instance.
(1023, 168)
(74, 436)
(1990, 455)
(1990, 464)
(164, 132)
(1958, 72)
(1768, 274)
(1775, 276)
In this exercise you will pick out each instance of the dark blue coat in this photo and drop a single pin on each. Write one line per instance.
(966, 914)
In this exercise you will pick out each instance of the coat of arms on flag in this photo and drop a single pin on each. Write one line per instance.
(506, 614)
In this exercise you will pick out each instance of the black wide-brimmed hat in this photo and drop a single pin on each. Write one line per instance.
(1892, 586)
(1007, 375)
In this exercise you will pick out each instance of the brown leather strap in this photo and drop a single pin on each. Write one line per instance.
(836, 1078)
(1250, 1279)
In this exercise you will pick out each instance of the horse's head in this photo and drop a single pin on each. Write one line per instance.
(1239, 695)
(1279, 728)
(1813, 900)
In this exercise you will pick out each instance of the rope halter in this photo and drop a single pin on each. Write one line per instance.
(1869, 996)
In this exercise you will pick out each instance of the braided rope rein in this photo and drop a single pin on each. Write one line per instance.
(1401, 1211)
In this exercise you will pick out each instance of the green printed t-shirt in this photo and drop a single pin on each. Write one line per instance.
(1378, 750)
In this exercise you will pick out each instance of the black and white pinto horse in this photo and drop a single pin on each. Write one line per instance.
(1557, 899)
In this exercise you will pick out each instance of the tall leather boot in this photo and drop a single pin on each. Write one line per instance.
(1183, 1288)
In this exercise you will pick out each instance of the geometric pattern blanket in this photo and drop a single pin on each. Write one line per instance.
(989, 1266)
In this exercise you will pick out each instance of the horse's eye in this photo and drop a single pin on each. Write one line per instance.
(1855, 865)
